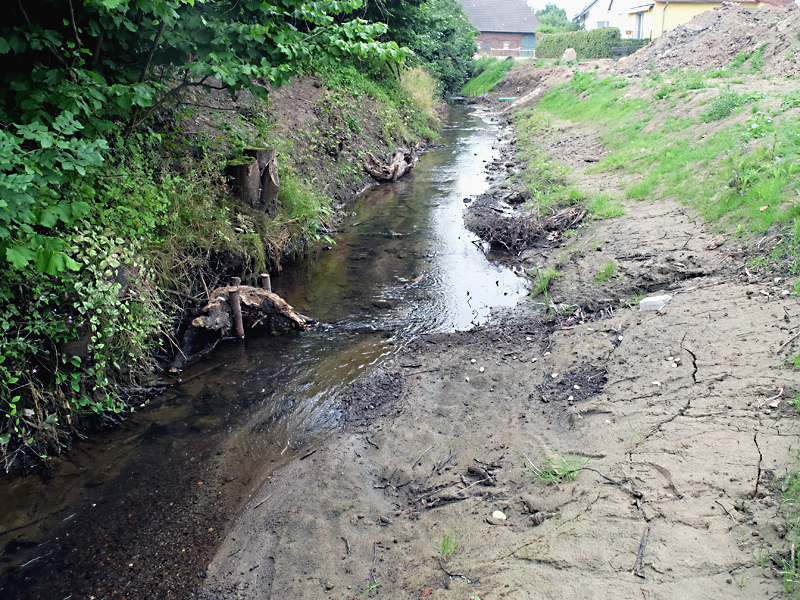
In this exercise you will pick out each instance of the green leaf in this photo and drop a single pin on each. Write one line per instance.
(19, 256)
(5, 47)
(4, 439)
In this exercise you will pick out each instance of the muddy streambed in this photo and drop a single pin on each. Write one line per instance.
(137, 512)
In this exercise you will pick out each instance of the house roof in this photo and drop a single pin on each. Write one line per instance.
(585, 10)
(502, 16)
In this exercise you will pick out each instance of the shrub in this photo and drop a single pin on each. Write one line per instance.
(596, 43)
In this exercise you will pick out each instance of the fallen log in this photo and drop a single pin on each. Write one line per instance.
(397, 164)
(256, 305)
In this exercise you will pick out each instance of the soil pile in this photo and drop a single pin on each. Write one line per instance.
(712, 39)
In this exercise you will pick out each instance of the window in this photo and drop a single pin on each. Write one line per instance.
(601, 24)
(506, 45)
(487, 47)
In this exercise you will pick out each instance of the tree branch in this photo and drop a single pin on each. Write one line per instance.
(55, 54)
(74, 25)
(152, 51)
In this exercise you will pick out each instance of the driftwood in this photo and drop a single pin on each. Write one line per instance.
(398, 163)
(255, 178)
(256, 305)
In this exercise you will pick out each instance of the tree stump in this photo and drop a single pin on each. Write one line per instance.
(397, 164)
(256, 180)
(246, 179)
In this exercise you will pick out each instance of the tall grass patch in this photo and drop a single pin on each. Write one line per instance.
(491, 75)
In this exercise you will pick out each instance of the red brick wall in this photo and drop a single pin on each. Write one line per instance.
(497, 40)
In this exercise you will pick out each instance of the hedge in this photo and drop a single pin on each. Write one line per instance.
(596, 43)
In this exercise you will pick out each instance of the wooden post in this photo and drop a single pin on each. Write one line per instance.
(236, 307)
(266, 282)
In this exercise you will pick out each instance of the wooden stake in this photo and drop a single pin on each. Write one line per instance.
(266, 282)
(236, 307)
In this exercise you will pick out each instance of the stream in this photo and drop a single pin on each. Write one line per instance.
(135, 512)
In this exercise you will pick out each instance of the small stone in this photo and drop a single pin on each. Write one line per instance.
(329, 585)
(577, 387)
(473, 361)
(481, 370)
(570, 398)
(554, 375)
(466, 379)
(381, 303)
(498, 514)
(534, 359)
(656, 383)
(674, 365)
(546, 354)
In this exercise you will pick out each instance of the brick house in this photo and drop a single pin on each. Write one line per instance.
(506, 26)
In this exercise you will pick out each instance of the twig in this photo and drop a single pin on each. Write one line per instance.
(791, 339)
(441, 564)
(632, 492)
(307, 454)
(371, 442)
(763, 402)
(638, 566)
(414, 464)
(346, 543)
(726, 511)
(262, 502)
(374, 560)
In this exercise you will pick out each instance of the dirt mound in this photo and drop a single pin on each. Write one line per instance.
(712, 39)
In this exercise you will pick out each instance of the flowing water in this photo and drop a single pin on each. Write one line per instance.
(135, 512)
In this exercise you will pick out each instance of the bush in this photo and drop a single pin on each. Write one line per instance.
(596, 43)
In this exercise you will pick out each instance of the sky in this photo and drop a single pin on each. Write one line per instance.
(573, 7)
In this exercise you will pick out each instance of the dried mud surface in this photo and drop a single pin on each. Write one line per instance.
(685, 409)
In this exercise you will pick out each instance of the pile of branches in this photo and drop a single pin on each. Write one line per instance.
(516, 233)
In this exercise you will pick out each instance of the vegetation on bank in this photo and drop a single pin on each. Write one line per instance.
(112, 205)
(707, 140)
(594, 43)
(488, 71)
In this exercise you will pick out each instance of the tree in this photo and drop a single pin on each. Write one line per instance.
(553, 19)
(438, 31)
(76, 71)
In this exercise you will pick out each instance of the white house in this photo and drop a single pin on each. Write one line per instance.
(603, 13)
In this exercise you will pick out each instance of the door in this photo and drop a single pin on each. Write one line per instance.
(528, 45)
(487, 47)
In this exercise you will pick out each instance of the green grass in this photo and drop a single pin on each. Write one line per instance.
(728, 175)
(606, 206)
(449, 545)
(495, 70)
(607, 271)
(562, 468)
(542, 281)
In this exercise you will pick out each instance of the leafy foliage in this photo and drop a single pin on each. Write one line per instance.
(438, 31)
(553, 19)
(88, 110)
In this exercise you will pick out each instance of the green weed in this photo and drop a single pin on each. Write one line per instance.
(607, 271)
(374, 586)
(543, 279)
(725, 103)
(606, 206)
(449, 545)
(761, 556)
(562, 468)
